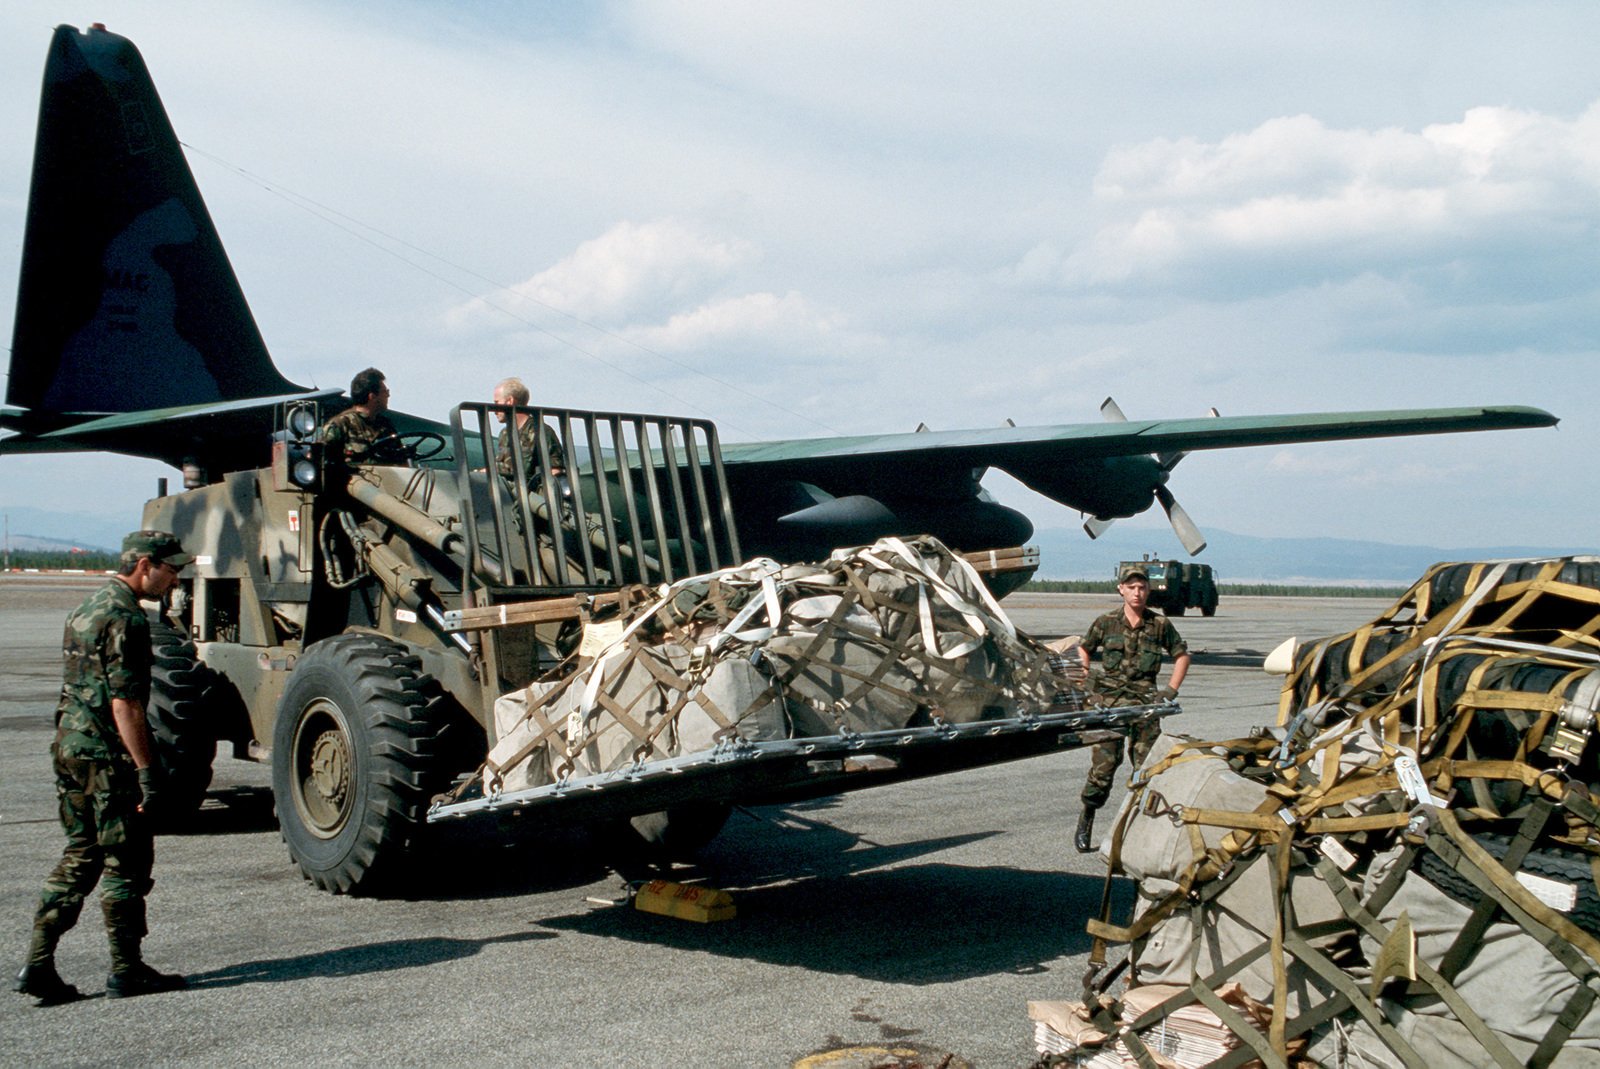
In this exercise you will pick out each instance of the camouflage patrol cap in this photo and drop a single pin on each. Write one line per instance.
(1129, 574)
(159, 546)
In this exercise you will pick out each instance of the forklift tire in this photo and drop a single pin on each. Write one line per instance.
(181, 727)
(355, 760)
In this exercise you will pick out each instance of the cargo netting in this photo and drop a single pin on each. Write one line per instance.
(1403, 870)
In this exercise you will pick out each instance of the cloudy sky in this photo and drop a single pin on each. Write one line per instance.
(804, 219)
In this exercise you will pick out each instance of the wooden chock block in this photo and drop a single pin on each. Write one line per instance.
(684, 901)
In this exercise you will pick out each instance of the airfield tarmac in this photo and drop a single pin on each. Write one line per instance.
(923, 913)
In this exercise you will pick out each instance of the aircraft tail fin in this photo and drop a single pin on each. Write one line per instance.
(126, 299)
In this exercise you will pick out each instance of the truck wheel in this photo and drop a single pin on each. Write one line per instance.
(1209, 609)
(1177, 610)
(184, 734)
(355, 759)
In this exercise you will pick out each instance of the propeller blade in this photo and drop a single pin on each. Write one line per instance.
(1193, 541)
(1094, 527)
(1168, 461)
(1111, 413)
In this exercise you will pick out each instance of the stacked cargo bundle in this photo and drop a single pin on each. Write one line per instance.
(899, 634)
(1403, 870)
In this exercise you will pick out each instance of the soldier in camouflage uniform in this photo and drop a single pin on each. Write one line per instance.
(513, 392)
(362, 434)
(106, 780)
(1130, 642)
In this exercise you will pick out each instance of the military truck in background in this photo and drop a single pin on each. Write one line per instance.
(1176, 586)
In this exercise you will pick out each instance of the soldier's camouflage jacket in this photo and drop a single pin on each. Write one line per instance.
(350, 435)
(1130, 657)
(106, 646)
(530, 450)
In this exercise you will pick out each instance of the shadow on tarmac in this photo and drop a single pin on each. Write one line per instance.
(227, 811)
(484, 861)
(812, 896)
(384, 957)
(921, 924)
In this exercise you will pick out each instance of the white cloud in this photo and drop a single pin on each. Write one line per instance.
(1305, 202)
(632, 270)
(753, 319)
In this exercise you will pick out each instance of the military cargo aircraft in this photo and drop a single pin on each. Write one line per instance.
(132, 335)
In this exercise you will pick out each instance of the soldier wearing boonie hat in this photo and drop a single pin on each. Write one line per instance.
(106, 778)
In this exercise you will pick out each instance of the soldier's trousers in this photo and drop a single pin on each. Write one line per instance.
(109, 843)
(1142, 735)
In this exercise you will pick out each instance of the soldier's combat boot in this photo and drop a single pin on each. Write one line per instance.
(141, 979)
(1081, 837)
(38, 977)
(41, 981)
(130, 976)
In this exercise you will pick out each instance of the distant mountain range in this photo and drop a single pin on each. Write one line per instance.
(1065, 552)
(37, 529)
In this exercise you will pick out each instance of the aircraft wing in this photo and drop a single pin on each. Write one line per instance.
(821, 488)
(1035, 451)
(1024, 447)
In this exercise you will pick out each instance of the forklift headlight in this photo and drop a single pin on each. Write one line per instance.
(302, 422)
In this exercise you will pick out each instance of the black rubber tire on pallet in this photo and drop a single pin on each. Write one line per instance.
(1449, 585)
(1568, 866)
(181, 725)
(356, 758)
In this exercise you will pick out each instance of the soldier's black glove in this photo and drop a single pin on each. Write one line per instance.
(1167, 694)
(149, 792)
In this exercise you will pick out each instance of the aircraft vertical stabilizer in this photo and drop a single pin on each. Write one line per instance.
(127, 300)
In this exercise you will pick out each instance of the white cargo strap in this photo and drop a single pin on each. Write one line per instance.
(947, 594)
(736, 629)
(1489, 582)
